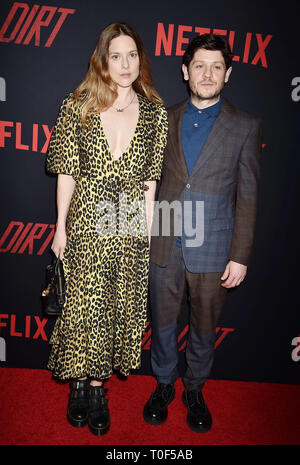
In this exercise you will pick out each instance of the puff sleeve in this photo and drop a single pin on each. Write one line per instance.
(158, 144)
(63, 151)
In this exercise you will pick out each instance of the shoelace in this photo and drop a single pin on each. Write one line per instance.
(161, 390)
(195, 400)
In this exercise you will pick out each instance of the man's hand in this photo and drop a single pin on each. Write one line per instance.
(234, 274)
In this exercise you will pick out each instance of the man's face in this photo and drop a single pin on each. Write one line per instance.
(206, 74)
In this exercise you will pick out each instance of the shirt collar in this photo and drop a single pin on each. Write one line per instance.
(212, 111)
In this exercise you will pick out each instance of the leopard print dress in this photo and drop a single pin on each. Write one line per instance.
(105, 263)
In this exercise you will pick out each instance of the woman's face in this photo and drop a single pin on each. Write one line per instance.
(123, 60)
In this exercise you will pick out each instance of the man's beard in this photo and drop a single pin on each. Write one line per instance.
(201, 96)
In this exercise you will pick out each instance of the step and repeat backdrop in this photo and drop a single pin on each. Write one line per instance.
(45, 49)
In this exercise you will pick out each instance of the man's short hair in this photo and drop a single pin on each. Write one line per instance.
(208, 42)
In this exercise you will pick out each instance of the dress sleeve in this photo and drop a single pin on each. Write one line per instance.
(63, 152)
(158, 144)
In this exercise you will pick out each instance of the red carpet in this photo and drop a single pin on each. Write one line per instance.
(33, 407)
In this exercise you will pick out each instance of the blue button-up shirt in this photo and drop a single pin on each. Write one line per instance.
(196, 125)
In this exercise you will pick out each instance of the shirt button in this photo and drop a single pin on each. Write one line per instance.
(188, 186)
(199, 111)
(195, 125)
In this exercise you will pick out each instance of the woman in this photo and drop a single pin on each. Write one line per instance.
(107, 147)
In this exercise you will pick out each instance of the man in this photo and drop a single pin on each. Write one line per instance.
(212, 163)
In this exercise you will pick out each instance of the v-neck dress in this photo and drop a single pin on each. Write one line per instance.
(106, 258)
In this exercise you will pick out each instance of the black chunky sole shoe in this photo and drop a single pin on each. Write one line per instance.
(98, 417)
(75, 422)
(78, 405)
(97, 431)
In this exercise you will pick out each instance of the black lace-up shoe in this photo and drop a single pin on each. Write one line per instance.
(198, 417)
(156, 409)
(78, 405)
(99, 420)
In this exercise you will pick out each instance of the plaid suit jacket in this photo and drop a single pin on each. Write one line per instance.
(218, 201)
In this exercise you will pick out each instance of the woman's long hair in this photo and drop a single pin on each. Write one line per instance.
(97, 92)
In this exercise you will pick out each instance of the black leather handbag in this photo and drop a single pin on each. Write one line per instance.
(53, 295)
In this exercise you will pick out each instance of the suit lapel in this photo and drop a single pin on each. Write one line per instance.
(175, 137)
(223, 123)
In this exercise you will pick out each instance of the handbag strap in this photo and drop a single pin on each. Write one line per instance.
(56, 264)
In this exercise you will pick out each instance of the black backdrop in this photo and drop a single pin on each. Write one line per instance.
(45, 50)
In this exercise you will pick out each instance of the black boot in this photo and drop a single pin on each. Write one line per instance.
(78, 406)
(99, 420)
(199, 417)
(156, 409)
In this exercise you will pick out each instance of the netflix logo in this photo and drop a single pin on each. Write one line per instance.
(182, 338)
(29, 327)
(39, 139)
(32, 238)
(24, 23)
(252, 46)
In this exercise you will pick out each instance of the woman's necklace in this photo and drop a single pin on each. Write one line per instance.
(124, 108)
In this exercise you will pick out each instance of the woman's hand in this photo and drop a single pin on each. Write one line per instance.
(149, 190)
(65, 189)
(59, 242)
